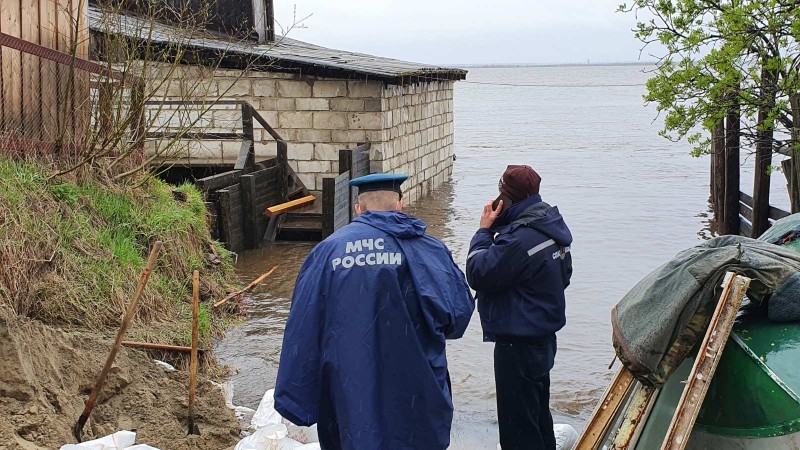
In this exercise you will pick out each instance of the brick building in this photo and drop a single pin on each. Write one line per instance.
(319, 100)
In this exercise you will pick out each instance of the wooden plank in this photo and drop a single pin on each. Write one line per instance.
(10, 23)
(745, 228)
(635, 418)
(248, 195)
(777, 214)
(246, 157)
(31, 83)
(160, 347)
(66, 81)
(708, 356)
(746, 212)
(81, 78)
(746, 199)
(606, 411)
(218, 181)
(48, 70)
(273, 211)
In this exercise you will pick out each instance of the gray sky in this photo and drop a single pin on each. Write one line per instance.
(469, 31)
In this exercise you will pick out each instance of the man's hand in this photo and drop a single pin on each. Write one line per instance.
(490, 215)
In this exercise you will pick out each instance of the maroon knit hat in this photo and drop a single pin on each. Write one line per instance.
(519, 182)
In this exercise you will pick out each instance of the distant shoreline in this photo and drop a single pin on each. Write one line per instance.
(513, 66)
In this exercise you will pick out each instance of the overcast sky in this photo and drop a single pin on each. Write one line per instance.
(469, 31)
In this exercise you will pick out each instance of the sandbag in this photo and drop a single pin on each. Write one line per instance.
(118, 441)
(273, 432)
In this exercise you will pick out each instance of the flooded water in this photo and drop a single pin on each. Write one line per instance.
(631, 198)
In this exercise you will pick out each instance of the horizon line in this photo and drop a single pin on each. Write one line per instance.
(568, 64)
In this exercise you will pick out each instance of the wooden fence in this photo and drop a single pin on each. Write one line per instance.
(44, 94)
(746, 216)
(338, 198)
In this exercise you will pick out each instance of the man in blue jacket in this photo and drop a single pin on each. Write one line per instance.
(519, 263)
(364, 349)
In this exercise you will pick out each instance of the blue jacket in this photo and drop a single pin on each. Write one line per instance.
(519, 269)
(364, 348)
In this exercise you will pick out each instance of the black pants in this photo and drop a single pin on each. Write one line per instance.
(522, 380)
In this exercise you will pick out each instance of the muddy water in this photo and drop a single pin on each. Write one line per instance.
(631, 198)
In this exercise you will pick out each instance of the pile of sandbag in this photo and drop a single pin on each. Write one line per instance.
(273, 432)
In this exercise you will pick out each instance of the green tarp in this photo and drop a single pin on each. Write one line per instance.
(659, 321)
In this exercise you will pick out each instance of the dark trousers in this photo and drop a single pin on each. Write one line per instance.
(522, 380)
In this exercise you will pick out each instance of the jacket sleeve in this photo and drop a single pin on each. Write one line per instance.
(445, 297)
(493, 264)
(462, 303)
(297, 390)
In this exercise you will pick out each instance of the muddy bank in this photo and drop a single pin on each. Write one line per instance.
(47, 374)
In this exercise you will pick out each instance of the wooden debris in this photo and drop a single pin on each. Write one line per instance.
(255, 282)
(705, 365)
(289, 206)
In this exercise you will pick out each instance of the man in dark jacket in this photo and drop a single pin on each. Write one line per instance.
(519, 264)
(364, 348)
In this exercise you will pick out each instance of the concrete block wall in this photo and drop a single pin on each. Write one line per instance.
(418, 135)
(410, 127)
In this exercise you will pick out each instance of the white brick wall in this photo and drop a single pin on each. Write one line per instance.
(418, 141)
(410, 127)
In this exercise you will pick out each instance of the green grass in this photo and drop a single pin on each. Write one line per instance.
(72, 250)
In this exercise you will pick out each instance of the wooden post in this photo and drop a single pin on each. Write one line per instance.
(718, 173)
(225, 225)
(763, 153)
(345, 164)
(247, 126)
(761, 183)
(195, 343)
(247, 186)
(328, 206)
(283, 170)
(345, 161)
(732, 167)
(270, 23)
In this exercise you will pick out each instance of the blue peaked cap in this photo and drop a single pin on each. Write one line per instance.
(379, 182)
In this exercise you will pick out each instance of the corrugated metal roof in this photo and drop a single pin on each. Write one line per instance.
(285, 54)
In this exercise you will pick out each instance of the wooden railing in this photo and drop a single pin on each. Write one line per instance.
(746, 216)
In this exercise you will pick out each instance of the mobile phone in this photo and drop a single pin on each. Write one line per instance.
(506, 202)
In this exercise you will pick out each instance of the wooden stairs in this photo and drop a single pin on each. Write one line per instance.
(304, 224)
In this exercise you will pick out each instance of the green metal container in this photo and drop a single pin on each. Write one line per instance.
(754, 393)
